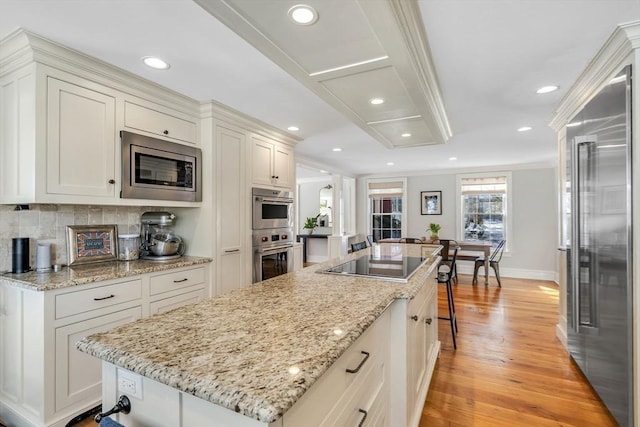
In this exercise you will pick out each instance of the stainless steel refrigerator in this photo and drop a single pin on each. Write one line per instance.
(599, 300)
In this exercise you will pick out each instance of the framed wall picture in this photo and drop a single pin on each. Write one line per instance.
(92, 243)
(431, 202)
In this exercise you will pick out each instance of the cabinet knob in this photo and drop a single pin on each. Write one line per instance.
(166, 132)
(428, 320)
(112, 181)
(414, 317)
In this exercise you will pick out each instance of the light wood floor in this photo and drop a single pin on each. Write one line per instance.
(509, 368)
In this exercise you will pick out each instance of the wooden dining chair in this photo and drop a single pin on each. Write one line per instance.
(494, 262)
(447, 244)
(358, 246)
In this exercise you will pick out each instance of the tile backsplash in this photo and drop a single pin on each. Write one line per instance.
(48, 223)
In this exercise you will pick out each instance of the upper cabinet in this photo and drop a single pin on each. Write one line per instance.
(145, 117)
(273, 163)
(62, 113)
(81, 141)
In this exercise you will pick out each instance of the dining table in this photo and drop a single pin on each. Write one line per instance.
(465, 246)
(476, 246)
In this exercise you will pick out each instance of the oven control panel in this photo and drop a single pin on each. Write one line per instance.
(272, 237)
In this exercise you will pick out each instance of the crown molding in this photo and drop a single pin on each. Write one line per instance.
(217, 111)
(22, 47)
(613, 55)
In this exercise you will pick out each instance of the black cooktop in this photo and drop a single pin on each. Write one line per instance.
(394, 268)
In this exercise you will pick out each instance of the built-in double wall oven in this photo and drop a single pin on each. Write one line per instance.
(272, 233)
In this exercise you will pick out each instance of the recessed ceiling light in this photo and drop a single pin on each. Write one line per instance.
(573, 124)
(390, 163)
(524, 128)
(156, 63)
(406, 135)
(293, 128)
(323, 171)
(547, 89)
(453, 158)
(376, 101)
(302, 14)
(337, 149)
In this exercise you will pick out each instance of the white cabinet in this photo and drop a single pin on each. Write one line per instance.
(141, 115)
(81, 140)
(233, 231)
(61, 117)
(355, 387)
(175, 289)
(416, 349)
(44, 380)
(272, 163)
(421, 329)
(78, 375)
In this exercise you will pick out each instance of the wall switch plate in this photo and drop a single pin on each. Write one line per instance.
(129, 383)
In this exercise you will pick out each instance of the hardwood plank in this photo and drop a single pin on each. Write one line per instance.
(509, 368)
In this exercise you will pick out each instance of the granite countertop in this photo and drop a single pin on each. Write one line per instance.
(236, 350)
(90, 273)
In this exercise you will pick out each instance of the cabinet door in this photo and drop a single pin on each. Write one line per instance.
(233, 198)
(231, 270)
(283, 166)
(262, 162)
(81, 141)
(78, 375)
(150, 119)
(416, 348)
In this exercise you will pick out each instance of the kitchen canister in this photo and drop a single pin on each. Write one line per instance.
(20, 255)
(43, 257)
(128, 247)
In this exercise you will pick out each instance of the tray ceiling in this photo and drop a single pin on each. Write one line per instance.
(355, 51)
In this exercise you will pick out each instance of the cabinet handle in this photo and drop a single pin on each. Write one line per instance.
(364, 417)
(103, 298)
(428, 321)
(353, 371)
(112, 181)
(180, 281)
(166, 132)
(230, 251)
(414, 317)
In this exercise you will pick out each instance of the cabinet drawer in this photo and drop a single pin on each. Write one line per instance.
(327, 398)
(159, 123)
(168, 304)
(171, 281)
(82, 301)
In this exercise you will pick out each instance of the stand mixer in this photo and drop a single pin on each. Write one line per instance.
(159, 242)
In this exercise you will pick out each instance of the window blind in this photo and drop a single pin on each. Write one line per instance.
(381, 190)
(484, 185)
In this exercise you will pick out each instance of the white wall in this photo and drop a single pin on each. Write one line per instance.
(309, 203)
(533, 238)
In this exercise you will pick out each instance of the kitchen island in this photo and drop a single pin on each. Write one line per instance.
(259, 352)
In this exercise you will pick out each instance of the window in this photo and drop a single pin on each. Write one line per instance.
(386, 201)
(484, 207)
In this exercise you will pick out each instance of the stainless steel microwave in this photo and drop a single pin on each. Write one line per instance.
(160, 170)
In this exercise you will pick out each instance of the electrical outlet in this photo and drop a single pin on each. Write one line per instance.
(129, 383)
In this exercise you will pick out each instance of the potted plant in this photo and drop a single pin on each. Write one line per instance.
(434, 228)
(311, 223)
